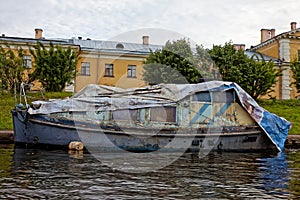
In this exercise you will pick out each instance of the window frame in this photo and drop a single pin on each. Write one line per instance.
(131, 71)
(109, 70)
(163, 114)
(85, 69)
(27, 63)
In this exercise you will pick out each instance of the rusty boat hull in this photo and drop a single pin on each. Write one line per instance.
(38, 131)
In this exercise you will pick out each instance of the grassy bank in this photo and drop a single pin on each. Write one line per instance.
(7, 102)
(289, 109)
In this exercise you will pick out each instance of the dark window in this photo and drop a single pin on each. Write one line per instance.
(202, 96)
(120, 46)
(85, 69)
(109, 70)
(163, 114)
(27, 61)
(131, 115)
(298, 55)
(218, 97)
(224, 97)
(131, 71)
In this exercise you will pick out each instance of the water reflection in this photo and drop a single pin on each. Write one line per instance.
(275, 174)
(6, 153)
(33, 173)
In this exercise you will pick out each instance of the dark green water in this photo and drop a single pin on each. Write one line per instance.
(58, 174)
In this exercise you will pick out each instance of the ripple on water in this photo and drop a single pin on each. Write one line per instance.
(55, 174)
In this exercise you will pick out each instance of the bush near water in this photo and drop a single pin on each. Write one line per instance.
(289, 109)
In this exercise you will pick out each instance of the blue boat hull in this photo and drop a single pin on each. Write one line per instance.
(35, 131)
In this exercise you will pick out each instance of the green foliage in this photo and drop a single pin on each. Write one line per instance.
(7, 102)
(175, 63)
(295, 67)
(11, 68)
(255, 75)
(285, 109)
(205, 63)
(262, 76)
(180, 47)
(54, 67)
(228, 60)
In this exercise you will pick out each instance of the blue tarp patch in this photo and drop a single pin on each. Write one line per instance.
(276, 127)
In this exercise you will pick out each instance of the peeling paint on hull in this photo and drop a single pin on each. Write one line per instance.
(38, 132)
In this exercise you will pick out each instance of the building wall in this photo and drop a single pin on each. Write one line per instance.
(285, 49)
(120, 66)
(14, 47)
(26, 44)
(270, 50)
(294, 48)
(82, 80)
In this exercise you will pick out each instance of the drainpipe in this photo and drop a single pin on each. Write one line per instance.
(98, 69)
(280, 67)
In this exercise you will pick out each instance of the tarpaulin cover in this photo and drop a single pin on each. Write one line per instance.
(100, 97)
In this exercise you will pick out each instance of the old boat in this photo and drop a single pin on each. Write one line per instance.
(212, 115)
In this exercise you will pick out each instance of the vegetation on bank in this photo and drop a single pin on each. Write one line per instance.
(8, 101)
(53, 66)
(289, 109)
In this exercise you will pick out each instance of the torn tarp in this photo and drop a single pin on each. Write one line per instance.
(99, 97)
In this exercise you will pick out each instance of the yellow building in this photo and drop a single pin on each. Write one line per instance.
(25, 43)
(110, 63)
(286, 48)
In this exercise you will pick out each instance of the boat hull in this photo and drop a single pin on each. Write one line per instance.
(38, 132)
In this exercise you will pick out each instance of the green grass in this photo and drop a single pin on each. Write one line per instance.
(7, 102)
(289, 109)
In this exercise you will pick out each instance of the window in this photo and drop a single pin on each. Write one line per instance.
(120, 46)
(130, 115)
(217, 97)
(224, 97)
(204, 96)
(85, 69)
(109, 70)
(27, 61)
(131, 72)
(298, 55)
(163, 114)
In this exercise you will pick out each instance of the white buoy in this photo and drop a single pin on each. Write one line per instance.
(75, 145)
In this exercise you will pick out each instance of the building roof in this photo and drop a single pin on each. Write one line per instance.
(258, 55)
(34, 41)
(92, 45)
(288, 34)
(114, 46)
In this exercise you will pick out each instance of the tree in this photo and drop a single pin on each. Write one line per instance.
(255, 75)
(228, 60)
(173, 64)
(295, 67)
(11, 67)
(53, 66)
(205, 63)
(260, 78)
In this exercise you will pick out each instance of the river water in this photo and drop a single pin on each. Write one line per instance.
(59, 174)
